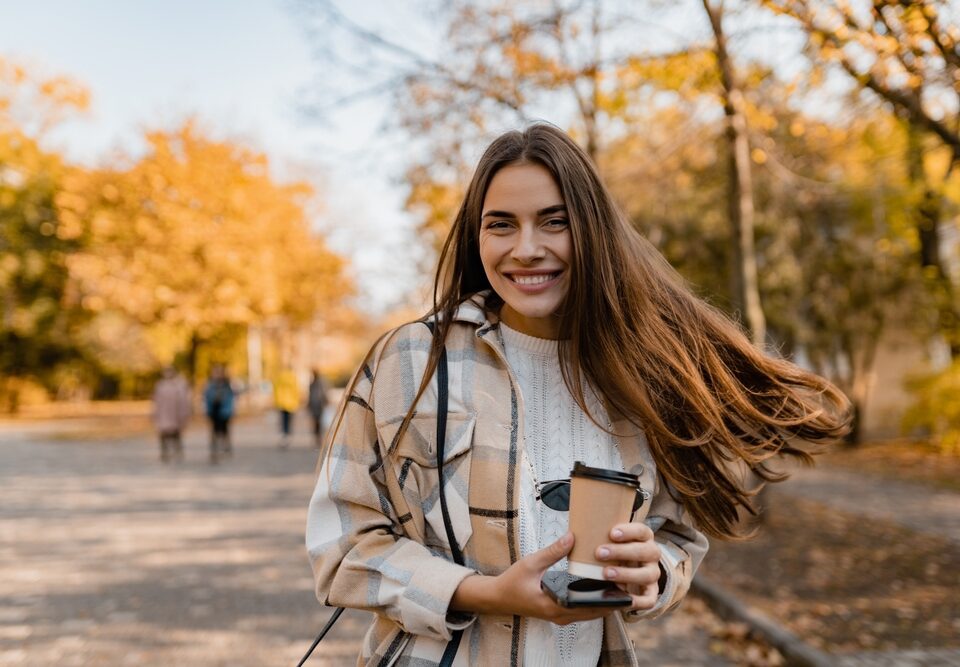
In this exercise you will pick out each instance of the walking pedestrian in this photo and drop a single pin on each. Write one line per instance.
(286, 398)
(569, 338)
(171, 413)
(218, 398)
(316, 404)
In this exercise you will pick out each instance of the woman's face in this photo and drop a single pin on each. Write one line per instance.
(525, 247)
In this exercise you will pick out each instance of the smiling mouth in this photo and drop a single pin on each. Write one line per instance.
(533, 280)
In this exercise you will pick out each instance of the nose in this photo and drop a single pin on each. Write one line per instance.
(529, 246)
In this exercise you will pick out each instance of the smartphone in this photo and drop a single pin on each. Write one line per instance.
(570, 591)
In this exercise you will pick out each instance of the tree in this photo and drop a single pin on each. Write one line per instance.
(832, 229)
(907, 54)
(196, 238)
(39, 313)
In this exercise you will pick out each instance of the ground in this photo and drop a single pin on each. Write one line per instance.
(109, 557)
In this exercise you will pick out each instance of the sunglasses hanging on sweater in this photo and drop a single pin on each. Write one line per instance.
(555, 494)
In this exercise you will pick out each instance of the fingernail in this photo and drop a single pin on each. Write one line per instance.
(617, 533)
(566, 540)
(603, 554)
(610, 573)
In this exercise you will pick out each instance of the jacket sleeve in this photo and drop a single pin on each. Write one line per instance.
(682, 548)
(360, 556)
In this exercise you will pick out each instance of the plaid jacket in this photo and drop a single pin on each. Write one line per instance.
(375, 534)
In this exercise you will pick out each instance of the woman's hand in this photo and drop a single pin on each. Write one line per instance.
(516, 591)
(635, 559)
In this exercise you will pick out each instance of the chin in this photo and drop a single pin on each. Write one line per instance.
(534, 313)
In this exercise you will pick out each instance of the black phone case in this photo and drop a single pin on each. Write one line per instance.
(570, 591)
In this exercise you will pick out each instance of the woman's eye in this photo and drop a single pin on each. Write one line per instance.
(557, 222)
(498, 225)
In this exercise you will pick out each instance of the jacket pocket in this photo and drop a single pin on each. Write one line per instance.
(416, 454)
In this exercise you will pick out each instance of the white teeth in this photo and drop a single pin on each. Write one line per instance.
(533, 280)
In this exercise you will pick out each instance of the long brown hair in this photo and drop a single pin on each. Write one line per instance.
(659, 356)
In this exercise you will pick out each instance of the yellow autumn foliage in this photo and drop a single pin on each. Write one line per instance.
(198, 234)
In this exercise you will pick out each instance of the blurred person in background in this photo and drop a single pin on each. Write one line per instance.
(218, 399)
(316, 403)
(171, 412)
(286, 398)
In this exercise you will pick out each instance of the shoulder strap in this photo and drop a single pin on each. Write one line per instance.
(442, 404)
(333, 619)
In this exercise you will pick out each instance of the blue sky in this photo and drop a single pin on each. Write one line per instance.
(241, 66)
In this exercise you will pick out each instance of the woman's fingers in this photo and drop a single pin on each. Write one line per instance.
(634, 559)
(632, 543)
(631, 532)
(643, 576)
(631, 552)
(541, 560)
(647, 598)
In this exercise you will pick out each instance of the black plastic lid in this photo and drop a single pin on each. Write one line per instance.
(605, 474)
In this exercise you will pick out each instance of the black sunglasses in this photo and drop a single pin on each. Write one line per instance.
(555, 494)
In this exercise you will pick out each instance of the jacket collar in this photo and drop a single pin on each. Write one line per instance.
(473, 311)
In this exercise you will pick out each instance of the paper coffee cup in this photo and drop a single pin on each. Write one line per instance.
(599, 500)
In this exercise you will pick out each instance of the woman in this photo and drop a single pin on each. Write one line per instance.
(569, 338)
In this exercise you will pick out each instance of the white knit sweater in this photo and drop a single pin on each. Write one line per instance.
(556, 433)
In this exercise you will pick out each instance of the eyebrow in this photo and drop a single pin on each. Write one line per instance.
(556, 208)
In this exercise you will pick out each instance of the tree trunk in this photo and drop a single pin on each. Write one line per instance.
(11, 394)
(745, 287)
(861, 356)
(590, 103)
(192, 359)
(927, 215)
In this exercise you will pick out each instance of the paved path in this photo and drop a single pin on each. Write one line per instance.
(108, 558)
(915, 506)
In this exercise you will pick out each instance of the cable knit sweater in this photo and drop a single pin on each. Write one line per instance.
(556, 433)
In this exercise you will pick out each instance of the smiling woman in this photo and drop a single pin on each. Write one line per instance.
(558, 335)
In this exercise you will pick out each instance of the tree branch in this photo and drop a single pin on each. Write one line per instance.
(909, 103)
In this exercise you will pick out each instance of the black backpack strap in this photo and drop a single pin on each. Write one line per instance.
(443, 382)
(333, 619)
(442, 405)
